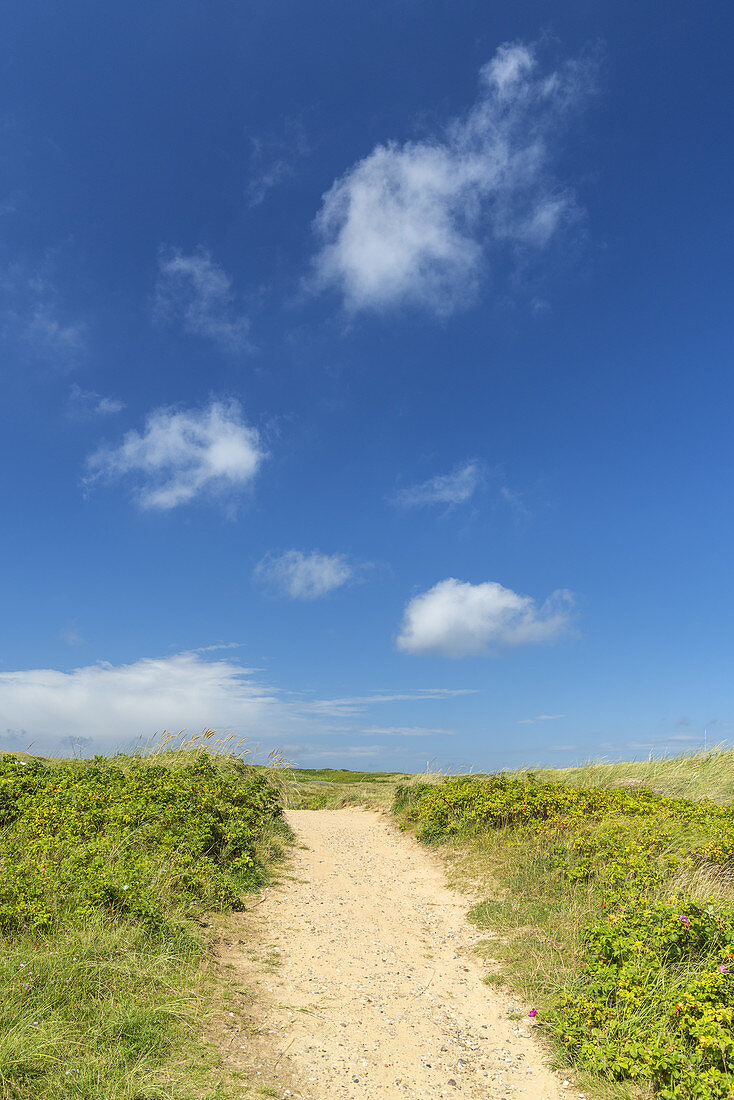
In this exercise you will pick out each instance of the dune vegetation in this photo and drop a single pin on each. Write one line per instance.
(108, 866)
(607, 897)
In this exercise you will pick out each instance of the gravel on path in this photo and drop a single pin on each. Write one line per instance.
(376, 991)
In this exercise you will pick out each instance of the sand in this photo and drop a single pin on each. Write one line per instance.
(375, 990)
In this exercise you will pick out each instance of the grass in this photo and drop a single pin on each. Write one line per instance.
(330, 789)
(691, 775)
(608, 908)
(108, 869)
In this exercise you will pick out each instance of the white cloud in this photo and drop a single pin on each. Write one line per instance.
(307, 751)
(459, 619)
(106, 707)
(196, 293)
(273, 159)
(304, 576)
(407, 731)
(539, 718)
(412, 224)
(87, 403)
(357, 704)
(454, 488)
(181, 455)
(30, 318)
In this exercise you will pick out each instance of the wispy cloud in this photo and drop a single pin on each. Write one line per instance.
(358, 704)
(304, 576)
(539, 718)
(273, 160)
(88, 404)
(456, 487)
(459, 619)
(32, 320)
(415, 223)
(196, 293)
(184, 454)
(306, 751)
(407, 731)
(70, 634)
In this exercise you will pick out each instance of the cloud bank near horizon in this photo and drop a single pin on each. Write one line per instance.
(103, 708)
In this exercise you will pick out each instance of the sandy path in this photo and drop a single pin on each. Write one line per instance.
(377, 993)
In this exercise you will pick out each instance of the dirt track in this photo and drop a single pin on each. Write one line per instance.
(377, 992)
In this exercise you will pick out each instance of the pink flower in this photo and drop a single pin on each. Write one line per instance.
(533, 1012)
(724, 969)
(685, 921)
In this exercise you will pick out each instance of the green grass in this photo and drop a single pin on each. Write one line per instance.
(689, 775)
(610, 908)
(108, 867)
(330, 789)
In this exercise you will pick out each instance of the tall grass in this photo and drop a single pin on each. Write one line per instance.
(693, 775)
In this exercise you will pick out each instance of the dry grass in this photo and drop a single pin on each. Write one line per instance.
(693, 775)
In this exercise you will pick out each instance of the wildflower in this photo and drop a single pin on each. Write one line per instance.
(533, 1012)
(684, 921)
(724, 969)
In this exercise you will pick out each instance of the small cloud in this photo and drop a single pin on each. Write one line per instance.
(87, 404)
(182, 455)
(71, 635)
(217, 646)
(414, 224)
(197, 294)
(406, 731)
(50, 337)
(32, 320)
(273, 160)
(539, 718)
(514, 500)
(456, 487)
(357, 704)
(459, 619)
(304, 576)
(346, 752)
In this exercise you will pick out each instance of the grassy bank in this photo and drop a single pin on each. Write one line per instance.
(610, 907)
(107, 868)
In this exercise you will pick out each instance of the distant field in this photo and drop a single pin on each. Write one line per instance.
(328, 788)
(690, 775)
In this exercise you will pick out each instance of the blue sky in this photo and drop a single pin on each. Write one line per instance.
(367, 376)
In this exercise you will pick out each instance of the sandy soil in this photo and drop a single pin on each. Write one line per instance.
(374, 991)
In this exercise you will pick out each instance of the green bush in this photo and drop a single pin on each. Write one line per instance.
(101, 865)
(143, 842)
(653, 998)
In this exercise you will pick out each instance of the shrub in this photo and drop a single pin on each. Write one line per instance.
(653, 999)
(101, 864)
